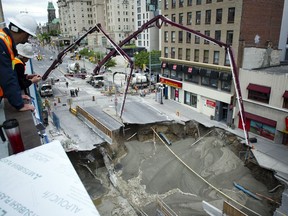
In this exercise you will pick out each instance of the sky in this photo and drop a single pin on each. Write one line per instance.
(36, 8)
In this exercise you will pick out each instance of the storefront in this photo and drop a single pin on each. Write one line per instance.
(172, 88)
(259, 125)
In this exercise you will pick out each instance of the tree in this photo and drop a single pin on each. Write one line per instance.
(146, 58)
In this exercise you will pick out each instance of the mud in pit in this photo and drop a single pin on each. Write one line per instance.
(149, 171)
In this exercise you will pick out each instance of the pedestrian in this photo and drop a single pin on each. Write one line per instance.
(21, 27)
(76, 92)
(67, 84)
(25, 52)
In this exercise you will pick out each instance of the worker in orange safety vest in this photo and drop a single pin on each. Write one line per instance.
(25, 52)
(21, 27)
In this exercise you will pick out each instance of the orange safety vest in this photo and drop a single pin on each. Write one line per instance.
(8, 42)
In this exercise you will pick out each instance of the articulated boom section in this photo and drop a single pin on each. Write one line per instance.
(156, 21)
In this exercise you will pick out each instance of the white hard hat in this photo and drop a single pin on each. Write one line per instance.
(25, 22)
(25, 50)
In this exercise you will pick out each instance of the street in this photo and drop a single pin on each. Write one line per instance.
(148, 170)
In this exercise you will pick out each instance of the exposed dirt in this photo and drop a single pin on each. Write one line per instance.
(148, 172)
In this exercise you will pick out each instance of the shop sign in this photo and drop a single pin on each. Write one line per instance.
(210, 103)
(171, 83)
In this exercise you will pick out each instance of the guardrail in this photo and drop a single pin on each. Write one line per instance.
(96, 123)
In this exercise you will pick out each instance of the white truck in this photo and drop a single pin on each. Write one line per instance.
(139, 80)
(74, 70)
(45, 90)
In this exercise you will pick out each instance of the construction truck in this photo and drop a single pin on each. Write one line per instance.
(139, 80)
(74, 70)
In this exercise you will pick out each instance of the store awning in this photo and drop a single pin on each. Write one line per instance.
(226, 76)
(285, 95)
(259, 88)
(261, 119)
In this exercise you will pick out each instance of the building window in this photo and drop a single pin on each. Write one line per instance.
(218, 16)
(173, 37)
(231, 15)
(226, 85)
(166, 52)
(188, 54)
(173, 3)
(207, 33)
(190, 99)
(173, 18)
(189, 18)
(181, 18)
(229, 37)
(194, 78)
(198, 2)
(285, 103)
(208, 1)
(189, 2)
(166, 36)
(207, 16)
(180, 36)
(197, 39)
(258, 93)
(181, 3)
(188, 37)
(196, 55)
(216, 57)
(172, 52)
(227, 60)
(206, 56)
(198, 17)
(166, 4)
(180, 53)
(209, 78)
(218, 35)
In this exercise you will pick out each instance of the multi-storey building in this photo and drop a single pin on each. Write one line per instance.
(195, 71)
(119, 18)
(145, 11)
(76, 16)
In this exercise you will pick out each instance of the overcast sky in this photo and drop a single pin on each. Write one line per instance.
(36, 8)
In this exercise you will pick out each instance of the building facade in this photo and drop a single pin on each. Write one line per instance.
(266, 102)
(145, 11)
(75, 17)
(196, 72)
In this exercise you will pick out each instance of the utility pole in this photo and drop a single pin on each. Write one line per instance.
(149, 71)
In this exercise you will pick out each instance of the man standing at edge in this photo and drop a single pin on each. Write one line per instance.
(20, 28)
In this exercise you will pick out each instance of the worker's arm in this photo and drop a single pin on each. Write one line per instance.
(8, 79)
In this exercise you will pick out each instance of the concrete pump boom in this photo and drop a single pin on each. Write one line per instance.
(156, 21)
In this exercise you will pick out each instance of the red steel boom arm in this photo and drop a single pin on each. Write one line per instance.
(156, 20)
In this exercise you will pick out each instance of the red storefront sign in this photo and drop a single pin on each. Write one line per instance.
(210, 103)
(171, 82)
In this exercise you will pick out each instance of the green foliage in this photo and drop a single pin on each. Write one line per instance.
(110, 63)
(144, 57)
